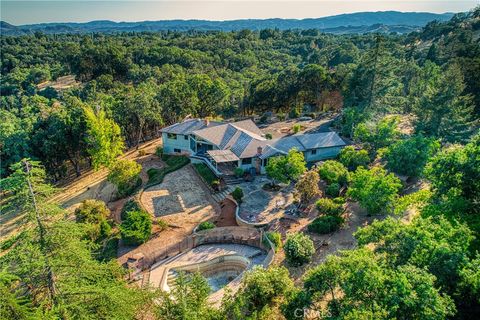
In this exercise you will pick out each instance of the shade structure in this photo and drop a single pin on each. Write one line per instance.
(220, 156)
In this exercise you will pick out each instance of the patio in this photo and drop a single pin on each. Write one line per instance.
(264, 206)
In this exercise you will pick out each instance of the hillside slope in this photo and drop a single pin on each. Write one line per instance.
(386, 21)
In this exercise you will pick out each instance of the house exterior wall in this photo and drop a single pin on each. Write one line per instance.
(322, 154)
(246, 166)
(169, 145)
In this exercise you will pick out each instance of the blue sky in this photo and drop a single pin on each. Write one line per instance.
(25, 12)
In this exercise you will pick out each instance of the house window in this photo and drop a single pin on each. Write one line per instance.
(265, 162)
(177, 150)
(314, 151)
(185, 137)
(172, 136)
(246, 161)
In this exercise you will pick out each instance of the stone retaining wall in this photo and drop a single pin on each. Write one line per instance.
(239, 235)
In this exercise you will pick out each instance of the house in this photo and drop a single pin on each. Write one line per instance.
(225, 146)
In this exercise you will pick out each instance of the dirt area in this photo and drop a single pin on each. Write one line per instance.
(180, 195)
(182, 201)
(62, 83)
(283, 128)
(227, 214)
(324, 244)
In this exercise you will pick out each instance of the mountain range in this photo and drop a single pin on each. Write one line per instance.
(361, 22)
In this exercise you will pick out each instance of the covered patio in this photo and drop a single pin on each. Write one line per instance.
(224, 161)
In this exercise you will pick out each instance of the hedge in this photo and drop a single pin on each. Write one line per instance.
(205, 172)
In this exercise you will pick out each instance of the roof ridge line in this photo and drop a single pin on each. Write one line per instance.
(299, 141)
(252, 134)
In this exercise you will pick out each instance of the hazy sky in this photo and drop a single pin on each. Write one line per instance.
(24, 12)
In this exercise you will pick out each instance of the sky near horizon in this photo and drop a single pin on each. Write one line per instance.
(37, 11)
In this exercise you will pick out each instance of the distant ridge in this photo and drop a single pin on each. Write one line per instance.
(361, 22)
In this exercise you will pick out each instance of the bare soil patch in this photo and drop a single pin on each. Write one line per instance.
(324, 244)
(283, 128)
(183, 202)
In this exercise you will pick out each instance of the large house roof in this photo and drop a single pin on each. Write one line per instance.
(190, 125)
(320, 140)
(302, 142)
(232, 135)
(243, 138)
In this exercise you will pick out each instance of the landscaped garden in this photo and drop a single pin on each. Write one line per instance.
(173, 163)
(206, 173)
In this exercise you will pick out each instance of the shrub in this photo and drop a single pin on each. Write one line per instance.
(125, 175)
(329, 207)
(141, 153)
(161, 224)
(9, 242)
(333, 190)
(239, 172)
(275, 238)
(353, 159)
(294, 113)
(339, 200)
(130, 205)
(263, 118)
(281, 116)
(159, 151)
(92, 211)
(206, 225)
(325, 224)
(215, 185)
(207, 174)
(268, 136)
(136, 228)
(110, 248)
(333, 172)
(94, 214)
(296, 128)
(298, 249)
(237, 194)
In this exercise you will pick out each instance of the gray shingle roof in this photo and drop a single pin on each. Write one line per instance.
(243, 138)
(189, 125)
(227, 135)
(320, 140)
(302, 142)
(242, 142)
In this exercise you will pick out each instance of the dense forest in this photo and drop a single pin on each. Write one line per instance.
(130, 85)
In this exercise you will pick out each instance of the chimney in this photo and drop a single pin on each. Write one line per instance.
(259, 150)
(207, 122)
